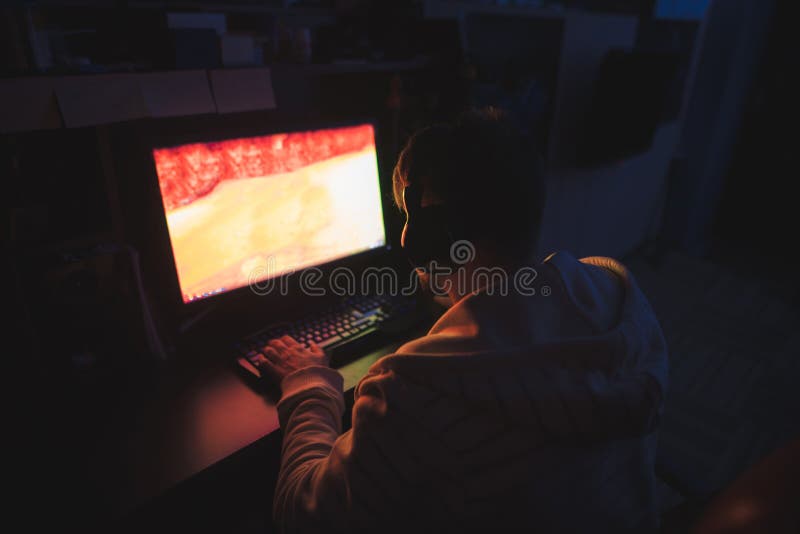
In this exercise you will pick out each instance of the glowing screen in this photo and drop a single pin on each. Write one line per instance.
(244, 210)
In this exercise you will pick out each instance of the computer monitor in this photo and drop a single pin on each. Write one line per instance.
(241, 211)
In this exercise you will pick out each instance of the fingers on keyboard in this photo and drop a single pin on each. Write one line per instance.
(289, 341)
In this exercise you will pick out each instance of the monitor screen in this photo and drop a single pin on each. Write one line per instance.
(241, 211)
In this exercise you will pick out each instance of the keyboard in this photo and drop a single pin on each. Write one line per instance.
(335, 329)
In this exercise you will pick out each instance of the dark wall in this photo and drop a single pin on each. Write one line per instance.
(758, 207)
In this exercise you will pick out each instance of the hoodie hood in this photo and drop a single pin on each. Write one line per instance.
(582, 359)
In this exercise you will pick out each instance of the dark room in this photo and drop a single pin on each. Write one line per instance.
(401, 266)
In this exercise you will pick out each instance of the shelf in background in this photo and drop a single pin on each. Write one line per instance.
(51, 102)
(275, 7)
(456, 9)
(351, 67)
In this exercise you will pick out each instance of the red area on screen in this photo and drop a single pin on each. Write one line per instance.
(188, 172)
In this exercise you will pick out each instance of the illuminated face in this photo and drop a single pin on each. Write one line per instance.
(424, 278)
(405, 226)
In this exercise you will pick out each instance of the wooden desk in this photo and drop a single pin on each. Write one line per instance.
(190, 426)
(195, 448)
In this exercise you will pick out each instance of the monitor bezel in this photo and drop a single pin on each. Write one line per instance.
(222, 130)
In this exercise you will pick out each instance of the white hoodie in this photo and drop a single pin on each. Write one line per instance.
(514, 412)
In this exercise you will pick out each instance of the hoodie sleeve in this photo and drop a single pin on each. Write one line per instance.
(322, 484)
